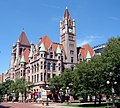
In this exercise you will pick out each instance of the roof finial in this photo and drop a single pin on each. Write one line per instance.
(66, 7)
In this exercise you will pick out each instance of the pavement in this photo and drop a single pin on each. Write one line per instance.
(33, 105)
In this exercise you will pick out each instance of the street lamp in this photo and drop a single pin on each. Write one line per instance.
(112, 83)
(67, 94)
(47, 103)
(61, 95)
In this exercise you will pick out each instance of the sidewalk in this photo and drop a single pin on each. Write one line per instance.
(56, 105)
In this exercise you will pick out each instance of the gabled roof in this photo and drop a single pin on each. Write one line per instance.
(58, 51)
(26, 53)
(66, 14)
(42, 47)
(84, 51)
(23, 39)
(47, 42)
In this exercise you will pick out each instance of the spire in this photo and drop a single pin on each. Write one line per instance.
(42, 47)
(88, 56)
(22, 59)
(66, 14)
(58, 51)
(23, 39)
(31, 53)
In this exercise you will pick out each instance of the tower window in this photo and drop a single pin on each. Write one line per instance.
(71, 52)
(71, 59)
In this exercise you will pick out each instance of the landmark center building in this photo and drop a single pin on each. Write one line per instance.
(37, 63)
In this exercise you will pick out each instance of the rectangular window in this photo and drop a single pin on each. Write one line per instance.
(48, 75)
(37, 77)
(51, 54)
(54, 66)
(28, 78)
(41, 77)
(34, 78)
(48, 66)
(71, 59)
(41, 55)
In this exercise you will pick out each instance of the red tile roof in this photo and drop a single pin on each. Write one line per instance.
(47, 42)
(66, 14)
(23, 39)
(55, 45)
(84, 50)
(26, 54)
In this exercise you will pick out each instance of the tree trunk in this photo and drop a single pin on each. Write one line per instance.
(22, 97)
(100, 96)
(95, 99)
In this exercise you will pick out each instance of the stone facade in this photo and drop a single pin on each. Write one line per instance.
(45, 60)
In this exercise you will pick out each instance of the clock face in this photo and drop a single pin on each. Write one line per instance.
(70, 30)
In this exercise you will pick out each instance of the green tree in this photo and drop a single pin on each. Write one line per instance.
(7, 87)
(21, 86)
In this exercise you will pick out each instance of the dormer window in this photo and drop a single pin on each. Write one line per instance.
(51, 54)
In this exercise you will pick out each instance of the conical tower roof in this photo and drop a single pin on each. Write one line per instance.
(23, 40)
(66, 14)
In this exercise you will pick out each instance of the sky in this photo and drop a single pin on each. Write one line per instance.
(96, 22)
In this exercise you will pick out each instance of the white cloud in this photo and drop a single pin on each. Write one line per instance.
(87, 40)
(83, 42)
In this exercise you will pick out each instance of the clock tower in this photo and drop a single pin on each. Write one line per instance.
(68, 39)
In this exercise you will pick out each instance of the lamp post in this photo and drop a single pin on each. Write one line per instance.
(67, 94)
(47, 103)
(112, 83)
(61, 95)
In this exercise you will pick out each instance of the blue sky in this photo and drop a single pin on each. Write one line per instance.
(96, 22)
